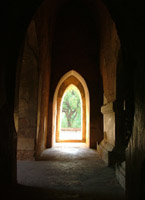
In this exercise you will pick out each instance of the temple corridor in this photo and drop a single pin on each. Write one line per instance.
(72, 67)
(68, 173)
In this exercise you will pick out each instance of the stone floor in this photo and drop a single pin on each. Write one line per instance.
(65, 173)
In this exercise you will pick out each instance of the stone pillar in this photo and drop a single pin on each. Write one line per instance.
(112, 148)
(108, 143)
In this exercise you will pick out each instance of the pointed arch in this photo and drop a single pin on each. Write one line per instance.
(71, 77)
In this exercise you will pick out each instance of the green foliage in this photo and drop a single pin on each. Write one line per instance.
(71, 110)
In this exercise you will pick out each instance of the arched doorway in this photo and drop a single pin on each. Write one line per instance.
(71, 116)
(70, 80)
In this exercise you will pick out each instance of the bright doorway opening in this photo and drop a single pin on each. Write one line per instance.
(71, 115)
(71, 112)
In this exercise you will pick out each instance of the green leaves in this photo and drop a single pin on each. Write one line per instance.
(71, 109)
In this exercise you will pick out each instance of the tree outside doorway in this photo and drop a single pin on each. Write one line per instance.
(71, 114)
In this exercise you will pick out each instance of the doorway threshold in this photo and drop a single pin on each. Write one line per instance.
(70, 144)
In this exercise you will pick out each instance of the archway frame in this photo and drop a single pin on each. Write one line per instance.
(71, 80)
(71, 77)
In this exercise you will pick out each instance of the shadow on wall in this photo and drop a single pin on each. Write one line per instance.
(142, 184)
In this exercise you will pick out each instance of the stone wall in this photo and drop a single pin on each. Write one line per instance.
(28, 96)
(129, 18)
(111, 148)
(44, 19)
(109, 55)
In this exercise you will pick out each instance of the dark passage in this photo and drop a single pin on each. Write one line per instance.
(68, 173)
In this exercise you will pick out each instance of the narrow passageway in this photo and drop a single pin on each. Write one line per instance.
(68, 173)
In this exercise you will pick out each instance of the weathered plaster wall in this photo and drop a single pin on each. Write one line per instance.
(135, 152)
(44, 19)
(28, 96)
(130, 18)
(33, 85)
(109, 56)
(109, 50)
(111, 147)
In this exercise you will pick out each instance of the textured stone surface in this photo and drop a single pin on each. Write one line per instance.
(109, 128)
(26, 155)
(121, 174)
(27, 90)
(68, 173)
(129, 18)
(25, 144)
